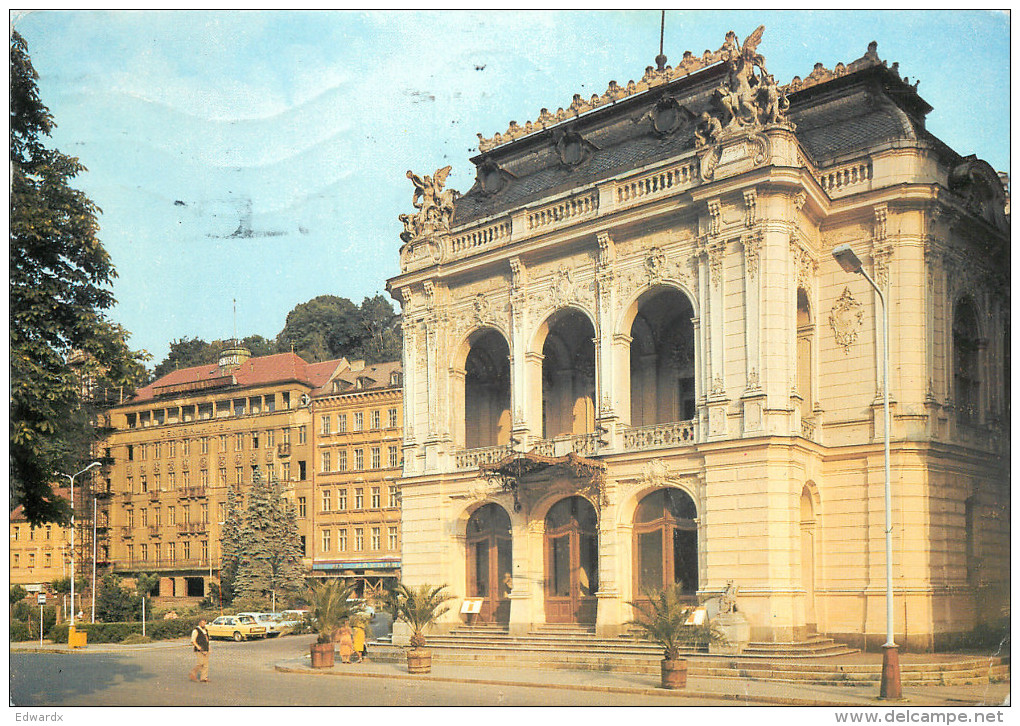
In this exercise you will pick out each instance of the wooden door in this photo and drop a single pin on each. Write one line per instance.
(571, 545)
(489, 562)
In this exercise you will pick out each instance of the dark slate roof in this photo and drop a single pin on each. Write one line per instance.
(855, 112)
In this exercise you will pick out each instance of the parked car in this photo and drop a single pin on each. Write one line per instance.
(271, 621)
(291, 620)
(238, 627)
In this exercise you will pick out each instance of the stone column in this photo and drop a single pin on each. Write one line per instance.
(520, 400)
(606, 362)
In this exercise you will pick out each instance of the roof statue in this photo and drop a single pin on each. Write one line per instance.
(434, 204)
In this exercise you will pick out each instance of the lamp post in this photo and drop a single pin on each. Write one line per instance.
(72, 477)
(891, 688)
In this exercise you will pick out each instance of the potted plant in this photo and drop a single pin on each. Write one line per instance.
(329, 608)
(419, 607)
(663, 618)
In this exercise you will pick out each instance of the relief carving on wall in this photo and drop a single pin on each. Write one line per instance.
(805, 265)
(752, 251)
(655, 264)
(846, 319)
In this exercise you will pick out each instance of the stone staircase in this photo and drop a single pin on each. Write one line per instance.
(817, 659)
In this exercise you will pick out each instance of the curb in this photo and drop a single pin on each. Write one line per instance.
(776, 701)
(95, 650)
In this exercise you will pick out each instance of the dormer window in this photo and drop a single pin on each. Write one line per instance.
(396, 379)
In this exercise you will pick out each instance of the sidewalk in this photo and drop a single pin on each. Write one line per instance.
(49, 646)
(746, 691)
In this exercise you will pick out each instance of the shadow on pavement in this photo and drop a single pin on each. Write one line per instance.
(48, 679)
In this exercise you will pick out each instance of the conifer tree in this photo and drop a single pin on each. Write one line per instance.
(231, 546)
(268, 552)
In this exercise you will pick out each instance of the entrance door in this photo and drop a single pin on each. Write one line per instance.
(572, 547)
(489, 562)
(665, 544)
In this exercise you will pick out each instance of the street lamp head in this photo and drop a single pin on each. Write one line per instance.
(847, 259)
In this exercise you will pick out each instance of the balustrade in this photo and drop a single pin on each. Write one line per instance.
(678, 433)
(659, 182)
(474, 458)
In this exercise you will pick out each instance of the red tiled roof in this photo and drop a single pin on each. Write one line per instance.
(377, 375)
(253, 372)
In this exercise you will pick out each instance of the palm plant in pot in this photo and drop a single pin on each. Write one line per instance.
(420, 607)
(662, 618)
(329, 608)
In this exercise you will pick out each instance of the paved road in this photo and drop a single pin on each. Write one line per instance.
(242, 674)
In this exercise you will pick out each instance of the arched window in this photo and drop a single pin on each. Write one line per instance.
(966, 362)
(568, 376)
(805, 339)
(487, 392)
(662, 359)
(666, 542)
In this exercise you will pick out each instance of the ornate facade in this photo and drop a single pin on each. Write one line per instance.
(632, 360)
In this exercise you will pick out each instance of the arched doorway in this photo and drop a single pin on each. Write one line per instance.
(487, 392)
(572, 555)
(662, 359)
(489, 562)
(966, 362)
(666, 543)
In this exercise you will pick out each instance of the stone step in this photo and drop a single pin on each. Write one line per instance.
(939, 673)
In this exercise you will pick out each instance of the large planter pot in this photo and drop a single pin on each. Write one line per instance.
(419, 660)
(674, 674)
(322, 655)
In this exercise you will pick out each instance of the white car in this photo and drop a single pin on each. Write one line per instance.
(272, 622)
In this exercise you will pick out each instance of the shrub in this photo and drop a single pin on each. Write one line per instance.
(18, 593)
(250, 604)
(20, 631)
(169, 629)
(136, 639)
(23, 610)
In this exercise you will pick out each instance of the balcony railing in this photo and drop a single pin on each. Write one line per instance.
(474, 458)
(583, 444)
(127, 532)
(191, 563)
(678, 433)
(155, 531)
(283, 449)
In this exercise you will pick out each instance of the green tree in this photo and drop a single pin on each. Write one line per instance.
(62, 585)
(18, 593)
(231, 545)
(116, 603)
(328, 327)
(188, 352)
(59, 289)
(146, 584)
(269, 541)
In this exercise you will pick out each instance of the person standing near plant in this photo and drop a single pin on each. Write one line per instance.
(200, 642)
(345, 644)
(359, 639)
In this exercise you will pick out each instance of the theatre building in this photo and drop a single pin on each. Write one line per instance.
(632, 360)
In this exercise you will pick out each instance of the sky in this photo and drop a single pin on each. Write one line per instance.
(261, 155)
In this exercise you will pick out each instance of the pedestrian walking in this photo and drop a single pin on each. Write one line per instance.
(359, 640)
(200, 642)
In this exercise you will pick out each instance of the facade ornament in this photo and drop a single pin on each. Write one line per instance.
(435, 206)
(607, 251)
(518, 275)
(752, 251)
(561, 289)
(821, 74)
(656, 473)
(716, 252)
(482, 307)
(750, 207)
(753, 384)
(607, 406)
(715, 216)
(746, 97)
(881, 211)
(718, 388)
(799, 200)
(405, 298)
(846, 319)
(573, 149)
(655, 264)
(805, 265)
(881, 255)
(707, 131)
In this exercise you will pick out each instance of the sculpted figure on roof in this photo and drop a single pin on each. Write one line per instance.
(434, 204)
(749, 95)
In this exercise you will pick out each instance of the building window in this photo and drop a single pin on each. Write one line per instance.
(186, 514)
(223, 442)
(31, 560)
(205, 514)
(205, 550)
(342, 460)
(145, 552)
(286, 471)
(239, 442)
(204, 441)
(204, 477)
(171, 551)
(31, 532)
(186, 447)
(142, 451)
(254, 439)
(966, 362)
(376, 498)
(219, 511)
(359, 459)
(171, 516)
(286, 436)
(393, 539)
(393, 418)
(171, 449)
(17, 533)
(223, 476)
(131, 553)
(394, 456)
(341, 499)
(359, 498)
(144, 484)
(157, 517)
(155, 483)
(238, 475)
(359, 421)
(325, 540)
(302, 507)
(145, 517)
(375, 419)
(17, 561)
(301, 434)
(342, 421)
(48, 532)
(359, 539)
(130, 452)
(186, 549)
(376, 544)
(131, 518)
(376, 459)
(171, 481)
(157, 449)
(341, 540)
(325, 500)
(326, 423)
(269, 438)
(47, 559)
(301, 470)
(186, 476)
